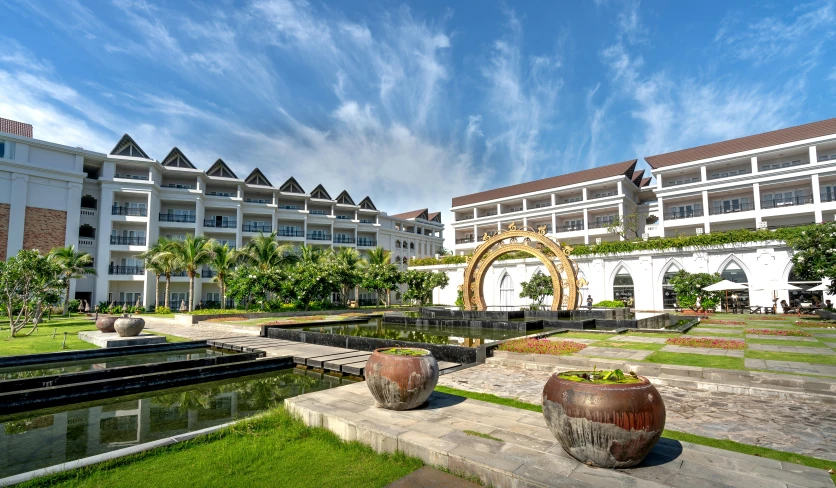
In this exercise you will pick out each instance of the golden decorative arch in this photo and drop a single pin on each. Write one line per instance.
(563, 273)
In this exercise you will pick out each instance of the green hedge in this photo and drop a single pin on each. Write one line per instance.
(609, 304)
(741, 236)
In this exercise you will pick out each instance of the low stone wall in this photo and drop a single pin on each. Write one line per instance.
(434, 313)
(394, 318)
(581, 314)
(826, 314)
(191, 319)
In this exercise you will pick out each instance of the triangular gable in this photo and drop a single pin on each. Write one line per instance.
(128, 147)
(345, 199)
(367, 204)
(637, 177)
(423, 216)
(320, 193)
(292, 186)
(257, 178)
(435, 217)
(176, 159)
(220, 169)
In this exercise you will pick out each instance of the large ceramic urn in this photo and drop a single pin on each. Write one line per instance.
(401, 378)
(127, 326)
(605, 424)
(105, 323)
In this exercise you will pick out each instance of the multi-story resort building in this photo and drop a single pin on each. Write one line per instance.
(114, 205)
(776, 179)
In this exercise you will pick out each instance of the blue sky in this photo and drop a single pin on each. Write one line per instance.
(414, 104)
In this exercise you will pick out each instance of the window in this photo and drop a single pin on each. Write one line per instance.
(803, 295)
(574, 224)
(733, 272)
(731, 205)
(7, 149)
(572, 199)
(604, 194)
(541, 205)
(506, 292)
(668, 295)
(685, 211)
(130, 298)
(178, 300)
(828, 193)
(622, 286)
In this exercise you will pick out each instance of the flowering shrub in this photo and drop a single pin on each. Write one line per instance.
(724, 322)
(810, 323)
(779, 332)
(706, 342)
(228, 319)
(541, 346)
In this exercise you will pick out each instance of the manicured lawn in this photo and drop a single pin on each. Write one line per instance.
(774, 342)
(629, 345)
(701, 360)
(700, 333)
(273, 450)
(666, 335)
(583, 335)
(789, 356)
(42, 341)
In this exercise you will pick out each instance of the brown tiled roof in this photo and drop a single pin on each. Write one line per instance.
(645, 182)
(410, 215)
(625, 168)
(14, 127)
(748, 143)
(433, 215)
(637, 176)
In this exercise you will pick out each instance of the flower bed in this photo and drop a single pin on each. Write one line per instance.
(810, 323)
(724, 322)
(706, 342)
(228, 319)
(779, 332)
(541, 346)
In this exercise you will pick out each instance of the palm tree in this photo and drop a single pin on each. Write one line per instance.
(309, 254)
(156, 267)
(190, 255)
(345, 263)
(74, 264)
(163, 257)
(379, 255)
(223, 261)
(265, 253)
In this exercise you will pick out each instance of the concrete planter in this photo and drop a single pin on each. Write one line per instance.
(127, 326)
(401, 382)
(607, 425)
(105, 323)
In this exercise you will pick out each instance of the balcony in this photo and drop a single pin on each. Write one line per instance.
(465, 240)
(127, 240)
(459, 219)
(537, 226)
(88, 211)
(290, 207)
(367, 221)
(318, 212)
(786, 202)
(179, 186)
(828, 197)
(681, 181)
(685, 214)
(729, 174)
(603, 224)
(291, 233)
(344, 240)
(315, 236)
(366, 242)
(130, 211)
(219, 193)
(343, 217)
(115, 269)
(186, 218)
(208, 273)
(257, 227)
(570, 227)
(720, 210)
(225, 224)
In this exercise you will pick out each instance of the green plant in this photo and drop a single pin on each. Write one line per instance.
(74, 304)
(378, 274)
(117, 310)
(190, 254)
(73, 265)
(537, 289)
(29, 282)
(223, 262)
(162, 310)
(815, 253)
(689, 290)
(420, 285)
(609, 304)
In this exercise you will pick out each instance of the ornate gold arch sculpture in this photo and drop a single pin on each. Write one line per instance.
(563, 273)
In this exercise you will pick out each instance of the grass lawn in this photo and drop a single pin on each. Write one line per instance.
(790, 356)
(583, 335)
(701, 360)
(629, 345)
(699, 333)
(774, 342)
(42, 341)
(666, 335)
(273, 450)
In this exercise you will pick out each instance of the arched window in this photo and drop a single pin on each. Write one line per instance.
(397, 244)
(506, 292)
(412, 245)
(668, 295)
(733, 272)
(622, 286)
(803, 295)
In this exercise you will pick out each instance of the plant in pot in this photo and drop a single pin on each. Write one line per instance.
(604, 418)
(127, 326)
(401, 378)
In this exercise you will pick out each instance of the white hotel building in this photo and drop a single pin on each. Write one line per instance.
(114, 205)
(781, 178)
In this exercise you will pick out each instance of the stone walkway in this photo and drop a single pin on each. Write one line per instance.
(557, 338)
(609, 352)
(167, 326)
(711, 330)
(782, 338)
(706, 351)
(790, 367)
(793, 349)
(801, 426)
(642, 340)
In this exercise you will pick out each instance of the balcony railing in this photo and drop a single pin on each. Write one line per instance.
(570, 227)
(130, 211)
(187, 218)
(685, 214)
(729, 174)
(289, 207)
(536, 227)
(115, 269)
(344, 240)
(225, 224)
(258, 200)
(828, 197)
(465, 240)
(291, 233)
(179, 274)
(319, 212)
(366, 221)
(786, 202)
(179, 186)
(745, 207)
(343, 217)
(128, 240)
(257, 227)
(469, 217)
(600, 225)
(208, 273)
(318, 237)
(366, 242)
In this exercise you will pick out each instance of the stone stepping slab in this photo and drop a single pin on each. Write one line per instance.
(723, 326)
(569, 339)
(790, 367)
(609, 352)
(825, 335)
(721, 338)
(712, 330)
(319, 361)
(782, 338)
(825, 351)
(830, 344)
(706, 351)
(642, 340)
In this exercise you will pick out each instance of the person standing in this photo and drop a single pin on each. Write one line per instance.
(589, 301)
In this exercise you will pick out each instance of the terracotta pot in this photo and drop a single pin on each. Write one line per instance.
(127, 326)
(401, 382)
(610, 426)
(105, 323)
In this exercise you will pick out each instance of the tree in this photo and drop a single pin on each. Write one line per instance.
(815, 253)
(29, 282)
(420, 284)
(343, 265)
(537, 289)
(309, 254)
(378, 255)
(163, 263)
(73, 264)
(265, 253)
(379, 274)
(627, 226)
(249, 284)
(689, 288)
(310, 282)
(223, 262)
(190, 255)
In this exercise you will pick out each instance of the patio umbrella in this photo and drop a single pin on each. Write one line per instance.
(776, 285)
(725, 286)
(821, 287)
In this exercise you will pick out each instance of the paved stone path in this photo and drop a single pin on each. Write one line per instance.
(793, 349)
(724, 326)
(609, 352)
(825, 335)
(830, 344)
(428, 477)
(706, 351)
(642, 340)
(782, 338)
(801, 426)
(791, 367)
(712, 330)
(167, 326)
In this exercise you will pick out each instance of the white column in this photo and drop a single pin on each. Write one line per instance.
(73, 215)
(554, 199)
(103, 245)
(239, 222)
(705, 213)
(152, 233)
(554, 221)
(499, 209)
(658, 181)
(816, 196)
(585, 222)
(621, 212)
(584, 193)
(199, 216)
(703, 173)
(274, 220)
(813, 159)
(754, 164)
(756, 195)
(17, 214)
(474, 213)
(661, 221)
(620, 188)
(525, 204)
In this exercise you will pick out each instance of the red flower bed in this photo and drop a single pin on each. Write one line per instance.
(706, 342)
(724, 322)
(810, 323)
(541, 346)
(779, 332)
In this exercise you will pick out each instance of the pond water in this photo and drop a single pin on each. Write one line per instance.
(52, 436)
(431, 334)
(35, 370)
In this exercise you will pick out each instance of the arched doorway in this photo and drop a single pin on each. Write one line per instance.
(803, 295)
(506, 292)
(668, 294)
(622, 286)
(733, 272)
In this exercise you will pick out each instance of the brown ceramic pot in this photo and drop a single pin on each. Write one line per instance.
(401, 382)
(610, 426)
(105, 323)
(127, 326)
